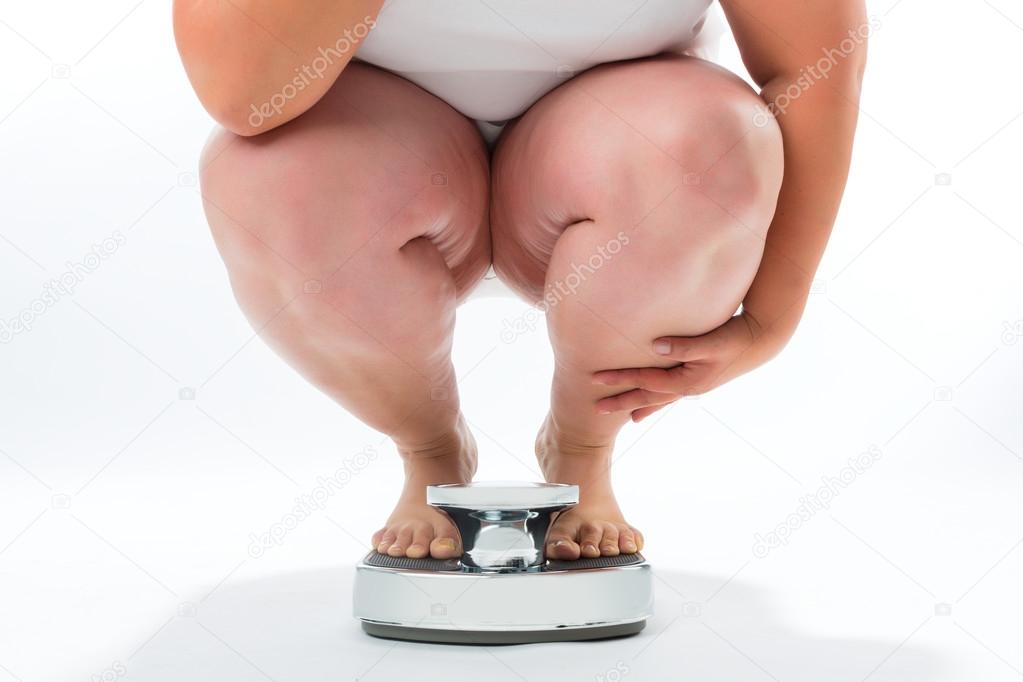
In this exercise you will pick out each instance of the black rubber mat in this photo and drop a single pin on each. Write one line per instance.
(431, 564)
(428, 564)
(496, 637)
(597, 562)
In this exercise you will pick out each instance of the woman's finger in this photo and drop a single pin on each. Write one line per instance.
(644, 412)
(684, 348)
(632, 400)
(651, 378)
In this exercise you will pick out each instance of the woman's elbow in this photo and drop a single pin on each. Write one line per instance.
(224, 78)
(237, 113)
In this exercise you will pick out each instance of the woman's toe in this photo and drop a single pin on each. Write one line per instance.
(445, 544)
(404, 540)
(561, 542)
(609, 543)
(386, 540)
(640, 541)
(589, 539)
(563, 548)
(627, 540)
(422, 536)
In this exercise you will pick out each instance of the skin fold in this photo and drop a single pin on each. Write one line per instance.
(640, 204)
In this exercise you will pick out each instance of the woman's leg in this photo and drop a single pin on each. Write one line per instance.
(633, 201)
(350, 234)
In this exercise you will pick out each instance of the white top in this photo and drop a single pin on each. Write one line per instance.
(491, 59)
(501, 495)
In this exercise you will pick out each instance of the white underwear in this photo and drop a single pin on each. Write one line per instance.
(492, 59)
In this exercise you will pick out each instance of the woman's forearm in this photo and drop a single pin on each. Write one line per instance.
(808, 59)
(817, 131)
(256, 64)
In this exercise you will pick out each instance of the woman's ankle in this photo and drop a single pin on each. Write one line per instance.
(451, 452)
(567, 456)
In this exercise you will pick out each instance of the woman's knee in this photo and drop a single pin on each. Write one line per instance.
(691, 187)
(334, 186)
(322, 249)
(684, 180)
(681, 125)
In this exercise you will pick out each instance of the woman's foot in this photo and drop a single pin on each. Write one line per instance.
(415, 529)
(594, 527)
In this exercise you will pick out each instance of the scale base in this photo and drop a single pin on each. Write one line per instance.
(488, 637)
(427, 600)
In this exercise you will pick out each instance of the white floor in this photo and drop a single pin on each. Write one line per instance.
(145, 434)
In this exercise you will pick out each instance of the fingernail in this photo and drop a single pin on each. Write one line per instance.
(662, 347)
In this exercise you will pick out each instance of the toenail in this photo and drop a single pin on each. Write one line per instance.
(630, 547)
(446, 543)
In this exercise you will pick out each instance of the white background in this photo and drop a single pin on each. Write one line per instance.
(126, 507)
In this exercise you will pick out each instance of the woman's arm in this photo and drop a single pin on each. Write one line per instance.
(256, 64)
(808, 59)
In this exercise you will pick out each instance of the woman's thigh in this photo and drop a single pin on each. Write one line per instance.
(622, 145)
(377, 163)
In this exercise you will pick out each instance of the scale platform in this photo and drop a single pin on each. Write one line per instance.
(502, 590)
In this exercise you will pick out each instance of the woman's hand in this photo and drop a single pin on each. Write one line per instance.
(707, 361)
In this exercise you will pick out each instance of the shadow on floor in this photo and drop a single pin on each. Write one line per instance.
(298, 627)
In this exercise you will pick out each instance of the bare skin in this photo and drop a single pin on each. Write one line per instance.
(573, 235)
(415, 529)
(641, 203)
(350, 235)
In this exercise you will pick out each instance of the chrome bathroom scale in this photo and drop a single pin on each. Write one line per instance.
(503, 589)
